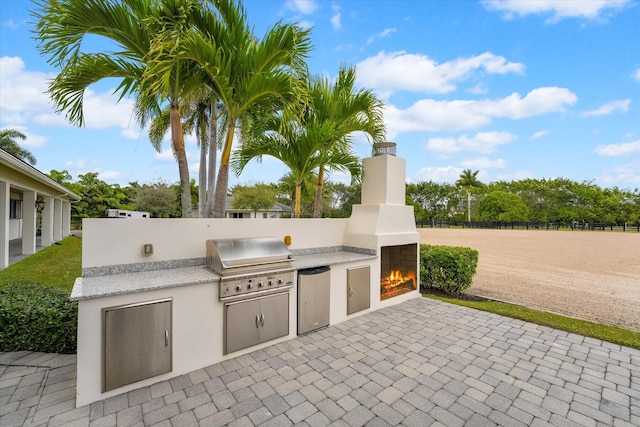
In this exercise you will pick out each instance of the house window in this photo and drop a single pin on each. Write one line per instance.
(15, 209)
(264, 215)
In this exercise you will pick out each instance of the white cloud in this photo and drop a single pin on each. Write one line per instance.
(482, 142)
(636, 74)
(165, 156)
(24, 99)
(558, 9)
(609, 108)
(515, 176)
(438, 174)
(419, 73)
(107, 175)
(539, 134)
(11, 24)
(616, 150)
(336, 19)
(23, 92)
(432, 115)
(479, 90)
(134, 133)
(484, 163)
(305, 7)
(626, 173)
(306, 24)
(31, 141)
(382, 34)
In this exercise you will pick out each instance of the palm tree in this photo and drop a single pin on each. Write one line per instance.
(341, 111)
(287, 142)
(141, 30)
(468, 180)
(196, 119)
(8, 143)
(287, 184)
(250, 76)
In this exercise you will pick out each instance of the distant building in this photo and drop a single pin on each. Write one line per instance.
(120, 213)
(278, 210)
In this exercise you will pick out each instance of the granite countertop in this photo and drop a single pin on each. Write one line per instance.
(126, 283)
(89, 287)
(329, 258)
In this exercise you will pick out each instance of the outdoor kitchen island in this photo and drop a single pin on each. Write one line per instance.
(149, 309)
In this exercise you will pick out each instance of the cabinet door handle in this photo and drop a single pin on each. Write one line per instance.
(257, 321)
(166, 338)
(261, 319)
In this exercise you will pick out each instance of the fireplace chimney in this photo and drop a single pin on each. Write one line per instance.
(383, 220)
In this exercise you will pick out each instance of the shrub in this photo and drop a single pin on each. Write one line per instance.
(36, 317)
(447, 268)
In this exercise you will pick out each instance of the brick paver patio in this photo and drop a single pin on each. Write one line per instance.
(419, 363)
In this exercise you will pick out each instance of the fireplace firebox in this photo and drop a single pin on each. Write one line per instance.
(398, 270)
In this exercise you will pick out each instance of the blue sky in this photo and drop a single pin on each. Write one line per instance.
(512, 88)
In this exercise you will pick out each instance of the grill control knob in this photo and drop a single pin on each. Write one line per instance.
(260, 284)
(279, 281)
(270, 282)
(238, 288)
(250, 285)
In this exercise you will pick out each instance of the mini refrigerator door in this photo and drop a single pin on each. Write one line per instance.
(313, 299)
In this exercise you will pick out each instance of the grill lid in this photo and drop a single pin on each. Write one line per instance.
(226, 254)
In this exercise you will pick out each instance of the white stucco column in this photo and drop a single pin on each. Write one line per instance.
(66, 218)
(47, 222)
(28, 222)
(57, 220)
(4, 224)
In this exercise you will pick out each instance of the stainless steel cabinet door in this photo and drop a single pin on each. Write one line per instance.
(274, 317)
(242, 325)
(137, 342)
(358, 289)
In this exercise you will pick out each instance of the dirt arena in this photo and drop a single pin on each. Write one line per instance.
(585, 274)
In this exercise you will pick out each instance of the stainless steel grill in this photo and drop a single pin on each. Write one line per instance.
(250, 267)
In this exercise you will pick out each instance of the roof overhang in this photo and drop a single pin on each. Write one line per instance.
(33, 173)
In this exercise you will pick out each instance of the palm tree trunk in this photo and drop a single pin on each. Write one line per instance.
(296, 210)
(202, 172)
(317, 201)
(222, 186)
(213, 158)
(469, 206)
(183, 167)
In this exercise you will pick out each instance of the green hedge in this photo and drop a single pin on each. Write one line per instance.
(447, 268)
(36, 317)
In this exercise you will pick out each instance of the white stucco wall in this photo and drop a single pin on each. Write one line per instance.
(114, 241)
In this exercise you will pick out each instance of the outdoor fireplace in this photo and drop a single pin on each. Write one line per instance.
(398, 270)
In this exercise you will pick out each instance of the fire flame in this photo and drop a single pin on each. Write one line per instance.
(396, 278)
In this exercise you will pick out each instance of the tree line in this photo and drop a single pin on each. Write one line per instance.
(163, 200)
(556, 200)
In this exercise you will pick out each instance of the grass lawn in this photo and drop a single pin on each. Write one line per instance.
(56, 266)
(595, 330)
